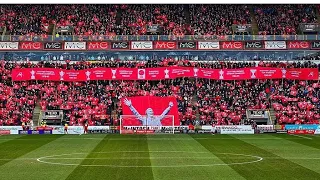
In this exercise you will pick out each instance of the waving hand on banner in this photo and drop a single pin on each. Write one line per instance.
(127, 102)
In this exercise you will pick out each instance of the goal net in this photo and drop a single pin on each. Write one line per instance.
(131, 124)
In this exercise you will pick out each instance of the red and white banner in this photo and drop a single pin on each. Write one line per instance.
(162, 73)
(3, 132)
(160, 45)
(301, 131)
(234, 45)
(302, 74)
(150, 111)
(100, 45)
(31, 45)
(298, 45)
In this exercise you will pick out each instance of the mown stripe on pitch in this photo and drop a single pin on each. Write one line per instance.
(114, 149)
(190, 150)
(312, 142)
(274, 167)
(16, 148)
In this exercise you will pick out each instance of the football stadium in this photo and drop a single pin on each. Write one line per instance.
(160, 91)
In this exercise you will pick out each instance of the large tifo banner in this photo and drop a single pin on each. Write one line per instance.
(150, 111)
(162, 73)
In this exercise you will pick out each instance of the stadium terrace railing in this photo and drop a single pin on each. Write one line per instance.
(158, 38)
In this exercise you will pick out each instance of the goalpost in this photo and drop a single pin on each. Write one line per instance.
(130, 124)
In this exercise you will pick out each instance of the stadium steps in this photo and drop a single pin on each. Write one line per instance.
(36, 114)
(118, 16)
(317, 14)
(51, 29)
(3, 33)
(187, 13)
(255, 29)
(272, 115)
(194, 101)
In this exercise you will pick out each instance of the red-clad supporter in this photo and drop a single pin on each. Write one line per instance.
(217, 20)
(199, 100)
(284, 19)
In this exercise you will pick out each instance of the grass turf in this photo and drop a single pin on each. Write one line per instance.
(129, 157)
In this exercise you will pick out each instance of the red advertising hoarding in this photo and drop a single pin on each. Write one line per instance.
(232, 45)
(31, 45)
(99, 45)
(298, 45)
(161, 45)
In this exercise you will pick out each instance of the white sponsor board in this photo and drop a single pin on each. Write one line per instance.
(206, 45)
(141, 45)
(14, 131)
(77, 129)
(317, 131)
(234, 127)
(275, 45)
(75, 45)
(237, 131)
(206, 127)
(98, 128)
(9, 45)
(11, 128)
(265, 127)
(71, 130)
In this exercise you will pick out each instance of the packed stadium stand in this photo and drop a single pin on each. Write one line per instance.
(200, 101)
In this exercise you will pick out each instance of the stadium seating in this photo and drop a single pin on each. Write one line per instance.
(178, 20)
(217, 19)
(293, 101)
(284, 19)
(200, 101)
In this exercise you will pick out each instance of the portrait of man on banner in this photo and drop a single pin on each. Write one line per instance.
(150, 111)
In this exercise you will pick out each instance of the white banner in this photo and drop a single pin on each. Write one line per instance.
(140, 45)
(71, 130)
(234, 127)
(9, 45)
(206, 45)
(275, 45)
(77, 129)
(206, 127)
(265, 127)
(75, 46)
(10, 128)
(317, 131)
(14, 131)
(237, 131)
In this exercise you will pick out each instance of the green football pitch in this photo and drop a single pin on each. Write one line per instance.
(181, 156)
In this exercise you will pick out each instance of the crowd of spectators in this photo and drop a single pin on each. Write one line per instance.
(200, 101)
(296, 102)
(17, 101)
(284, 19)
(177, 20)
(217, 19)
(169, 20)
